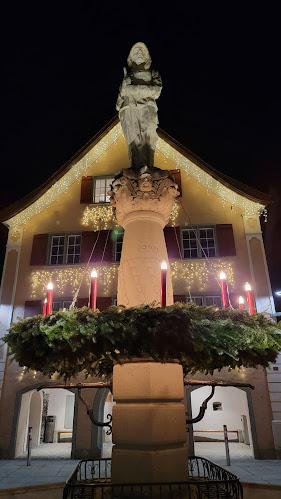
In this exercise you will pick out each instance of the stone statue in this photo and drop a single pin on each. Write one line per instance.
(137, 106)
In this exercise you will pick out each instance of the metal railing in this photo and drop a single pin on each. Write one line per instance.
(92, 479)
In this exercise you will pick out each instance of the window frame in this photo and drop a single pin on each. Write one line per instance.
(203, 296)
(100, 177)
(115, 245)
(197, 228)
(66, 236)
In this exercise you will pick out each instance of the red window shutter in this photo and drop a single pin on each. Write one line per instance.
(31, 308)
(82, 302)
(88, 240)
(177, 175)
(39, 249)
(179, 298)
(86, 190)
(103, 302)
(225, 240)
(171, 235)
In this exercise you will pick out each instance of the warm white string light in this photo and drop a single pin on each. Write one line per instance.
(227, 195)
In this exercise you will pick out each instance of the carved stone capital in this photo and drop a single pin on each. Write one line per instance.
(149, 189)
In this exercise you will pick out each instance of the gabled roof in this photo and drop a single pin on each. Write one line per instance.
(235, 185)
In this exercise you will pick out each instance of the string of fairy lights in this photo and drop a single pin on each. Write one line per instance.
(69, 278)
(61, 186)
(193, 274)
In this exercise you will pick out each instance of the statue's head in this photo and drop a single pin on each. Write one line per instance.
(139, 55)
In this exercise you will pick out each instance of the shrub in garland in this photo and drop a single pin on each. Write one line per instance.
(201, 338)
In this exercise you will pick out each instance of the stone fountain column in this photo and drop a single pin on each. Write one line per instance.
(143, 200)
(149, 429)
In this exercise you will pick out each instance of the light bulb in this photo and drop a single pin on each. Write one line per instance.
(164, 265)
(94, 273)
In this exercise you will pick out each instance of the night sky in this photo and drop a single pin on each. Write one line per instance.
(62, 64)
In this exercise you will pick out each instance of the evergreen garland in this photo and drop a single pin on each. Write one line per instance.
(201, 338)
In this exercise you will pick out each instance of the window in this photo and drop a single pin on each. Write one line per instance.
(213, 300)
(65, 249)
(217, 406)
(198, 300)
(118, 235)
(101, 187)
(205, 300)
(59, 304)
(198, 242)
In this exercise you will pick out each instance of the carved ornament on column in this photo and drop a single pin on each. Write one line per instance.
(145, 189)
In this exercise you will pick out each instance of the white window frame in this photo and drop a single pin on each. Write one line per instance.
(195, 231)
(61, 303)
(106, 188)
(66, 245)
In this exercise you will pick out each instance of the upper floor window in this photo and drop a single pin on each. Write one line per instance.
(65, 249)
(101, 186)
(198, 242)
(58, 304)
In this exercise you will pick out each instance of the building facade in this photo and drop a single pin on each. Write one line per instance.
(65, 228)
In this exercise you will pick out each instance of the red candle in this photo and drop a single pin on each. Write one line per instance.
(224, 291)
(250, 299)
(163, 283)
(93, 289)
(241, 302)
(49, 298)
(45, 307)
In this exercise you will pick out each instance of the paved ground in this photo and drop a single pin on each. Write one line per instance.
(60, 450)
(242, 463)
(15, 473)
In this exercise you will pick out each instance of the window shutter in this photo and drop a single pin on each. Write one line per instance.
(177, 175)
(31, 308)
(86, 190)
(82, 302)
(88, 240)
(171, 241)
(103, 302)
(39, 249)
(179, 298)
(225, 240)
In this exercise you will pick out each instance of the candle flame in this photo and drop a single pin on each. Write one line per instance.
(94, 273)
(241, 299)
(164, 265)
(248, 287)
(45, 301)
(222, 275)
(50, 285)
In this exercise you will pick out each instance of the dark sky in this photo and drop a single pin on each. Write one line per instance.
(62, 65)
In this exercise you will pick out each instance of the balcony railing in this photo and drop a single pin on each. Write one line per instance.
(92, 479)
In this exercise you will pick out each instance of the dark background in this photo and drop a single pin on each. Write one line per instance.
(220, 64)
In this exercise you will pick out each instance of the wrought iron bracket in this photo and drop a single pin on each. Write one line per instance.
(202, 409)
(90, 413)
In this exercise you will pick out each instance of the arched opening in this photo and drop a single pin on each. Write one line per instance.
(102, 406)
(50, 413)
(231, 407)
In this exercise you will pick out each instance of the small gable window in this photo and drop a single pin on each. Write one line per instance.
(101, 186)
(217, 406)
(65, 249)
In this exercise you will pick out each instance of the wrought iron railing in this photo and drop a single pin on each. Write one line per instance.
(92, 479)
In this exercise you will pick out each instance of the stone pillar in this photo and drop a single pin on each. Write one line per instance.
(149, 429)
(142, 201)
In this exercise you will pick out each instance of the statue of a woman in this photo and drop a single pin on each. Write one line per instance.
(137, 107)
